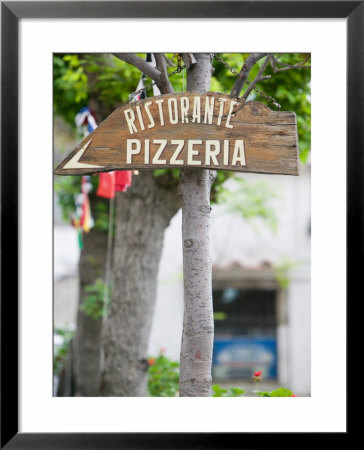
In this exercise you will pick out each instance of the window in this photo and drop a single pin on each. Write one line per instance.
(245, 311)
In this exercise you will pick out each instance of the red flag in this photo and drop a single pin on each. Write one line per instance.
(106, 185)
(122, 180)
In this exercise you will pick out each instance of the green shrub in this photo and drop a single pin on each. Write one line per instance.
(163, 381)
(62, 338)
(218, 391)
(163, 377)
(280, 392)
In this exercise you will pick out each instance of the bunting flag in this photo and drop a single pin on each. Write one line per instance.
(86, 221)
(82, 219)
(122, 180)
(140, 89)
(107, 185)
(85, 121)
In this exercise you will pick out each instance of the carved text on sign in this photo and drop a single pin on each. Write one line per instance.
(181, 110)
(210, 148)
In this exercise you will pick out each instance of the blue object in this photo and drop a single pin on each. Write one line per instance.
(242, 356)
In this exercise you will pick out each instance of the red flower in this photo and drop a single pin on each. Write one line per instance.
(293, 395)
(257, 376)
(151, 361)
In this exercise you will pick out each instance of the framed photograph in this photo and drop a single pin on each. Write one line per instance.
(31, 34)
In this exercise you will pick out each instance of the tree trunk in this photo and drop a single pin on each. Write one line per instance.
(81, 373)
(143, 213)
(198, 323)
(87, 342)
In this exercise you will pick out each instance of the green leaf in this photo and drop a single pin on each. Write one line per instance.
(218, 391)
(281, 392)
(236, 392)
(159, 172)
(262, 393)
(282, 271)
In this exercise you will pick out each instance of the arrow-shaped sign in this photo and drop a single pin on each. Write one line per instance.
(212, 131)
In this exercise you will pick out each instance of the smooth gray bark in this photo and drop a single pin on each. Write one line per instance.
(142, 215)
(198, 323)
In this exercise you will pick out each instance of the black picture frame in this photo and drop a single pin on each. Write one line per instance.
(11, 12)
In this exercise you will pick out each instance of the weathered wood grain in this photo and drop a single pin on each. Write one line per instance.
(210, 129)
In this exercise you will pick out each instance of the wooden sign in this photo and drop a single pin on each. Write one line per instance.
(209, 130)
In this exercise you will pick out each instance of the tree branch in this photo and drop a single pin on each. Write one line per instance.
(301, 65)
(244, 73)
(258, 78)
(168, 61)
(188, 59)
(140, 64)
(163, 83)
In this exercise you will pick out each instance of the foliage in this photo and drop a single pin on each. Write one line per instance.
(218, 187)
(251, 200)
(231, 392)
(160, 172)
(67, 187)
(280, 392)
(94, 303)
(282, 272)
(163, 381)
(290, 88)
(218, 391)
(101, 214)
(163, 377)
(62, 338)
(78, 77)
(70, 87)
